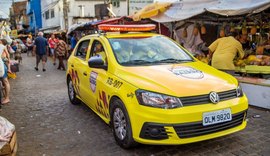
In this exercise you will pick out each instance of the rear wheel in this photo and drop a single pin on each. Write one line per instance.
(71, 93)
(121, 125)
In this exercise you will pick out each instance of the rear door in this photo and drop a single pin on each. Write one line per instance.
(79, 66)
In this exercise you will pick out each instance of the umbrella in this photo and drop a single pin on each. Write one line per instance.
(151, 10)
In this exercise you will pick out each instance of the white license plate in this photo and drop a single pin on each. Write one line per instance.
(210, 118)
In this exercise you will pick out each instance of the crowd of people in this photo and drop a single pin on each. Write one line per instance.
(53, 46)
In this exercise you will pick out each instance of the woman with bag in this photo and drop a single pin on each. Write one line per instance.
(61, 52)
(29, 44)
(18, 52)
(5, 58)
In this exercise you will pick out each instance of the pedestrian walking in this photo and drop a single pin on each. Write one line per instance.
(41, 50)
(61, 52)
(52, 42)
(29, 44)
(18, 52)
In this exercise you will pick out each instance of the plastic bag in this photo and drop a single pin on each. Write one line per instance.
(10, 50)
(2, 68)
(6, 129)
(12, 75)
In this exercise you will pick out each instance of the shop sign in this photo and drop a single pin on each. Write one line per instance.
(14, 33)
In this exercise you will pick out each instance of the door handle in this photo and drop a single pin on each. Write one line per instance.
(84, 73)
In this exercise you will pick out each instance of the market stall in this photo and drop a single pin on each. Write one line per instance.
(5, 32)
(196, 24)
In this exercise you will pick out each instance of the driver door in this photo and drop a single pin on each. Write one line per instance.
(97, 78)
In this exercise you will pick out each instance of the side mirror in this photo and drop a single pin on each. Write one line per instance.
(97, 62)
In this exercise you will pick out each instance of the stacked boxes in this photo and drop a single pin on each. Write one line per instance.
(9, 148)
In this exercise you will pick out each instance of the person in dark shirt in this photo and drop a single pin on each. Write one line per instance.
(73, 41)
(41, 50)
(245, 42)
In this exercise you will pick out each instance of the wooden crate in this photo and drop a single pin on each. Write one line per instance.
(10, 148)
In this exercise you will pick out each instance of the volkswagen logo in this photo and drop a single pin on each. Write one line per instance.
(214, 98)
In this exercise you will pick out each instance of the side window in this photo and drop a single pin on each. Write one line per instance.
(98, 49)
(82, 49)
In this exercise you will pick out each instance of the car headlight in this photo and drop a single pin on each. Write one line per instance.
(239, 91)
(157, 100)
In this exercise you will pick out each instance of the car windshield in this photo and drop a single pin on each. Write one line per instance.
(147, 50)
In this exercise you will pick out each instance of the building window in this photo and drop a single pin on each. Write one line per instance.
(52, 13)
(47, 14)
(116, 3)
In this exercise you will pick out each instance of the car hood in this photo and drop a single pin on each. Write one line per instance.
(184, 79)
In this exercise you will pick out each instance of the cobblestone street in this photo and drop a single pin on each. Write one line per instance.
(48, 125)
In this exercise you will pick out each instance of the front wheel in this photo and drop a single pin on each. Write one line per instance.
(71, 93)
(121, 125)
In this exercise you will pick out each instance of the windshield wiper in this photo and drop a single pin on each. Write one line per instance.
(171, 60)
(136, 62)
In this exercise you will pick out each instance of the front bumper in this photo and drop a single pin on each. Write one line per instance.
(184, 125)
(157, 131)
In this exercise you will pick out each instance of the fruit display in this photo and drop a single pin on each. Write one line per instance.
(259, 60)
(253, 30)
(202, 58)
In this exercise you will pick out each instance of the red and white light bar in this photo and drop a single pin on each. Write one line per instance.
(126, 28)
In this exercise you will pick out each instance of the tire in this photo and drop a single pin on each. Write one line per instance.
(71, 93)
(123, 132)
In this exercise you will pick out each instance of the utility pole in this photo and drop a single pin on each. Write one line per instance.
(128, 7)
(13, 16)
(65, 13)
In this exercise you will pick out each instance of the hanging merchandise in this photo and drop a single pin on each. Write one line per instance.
(244, 28)
(253, 30)
(232, 29)
(184, 34)
(195, 30)
(203, 29)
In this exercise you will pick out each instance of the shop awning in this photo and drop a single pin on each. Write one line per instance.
(50, 29)
(186, 9)
(93, 24)
(151, 10)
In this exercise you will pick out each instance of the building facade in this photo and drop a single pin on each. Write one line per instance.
(34, 15)
(56, 17)
(52, 15)
(18, 17)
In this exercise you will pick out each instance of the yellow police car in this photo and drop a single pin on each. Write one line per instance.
(151, 90)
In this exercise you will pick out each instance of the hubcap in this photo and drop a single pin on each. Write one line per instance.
(71, 90)
(120, 126)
